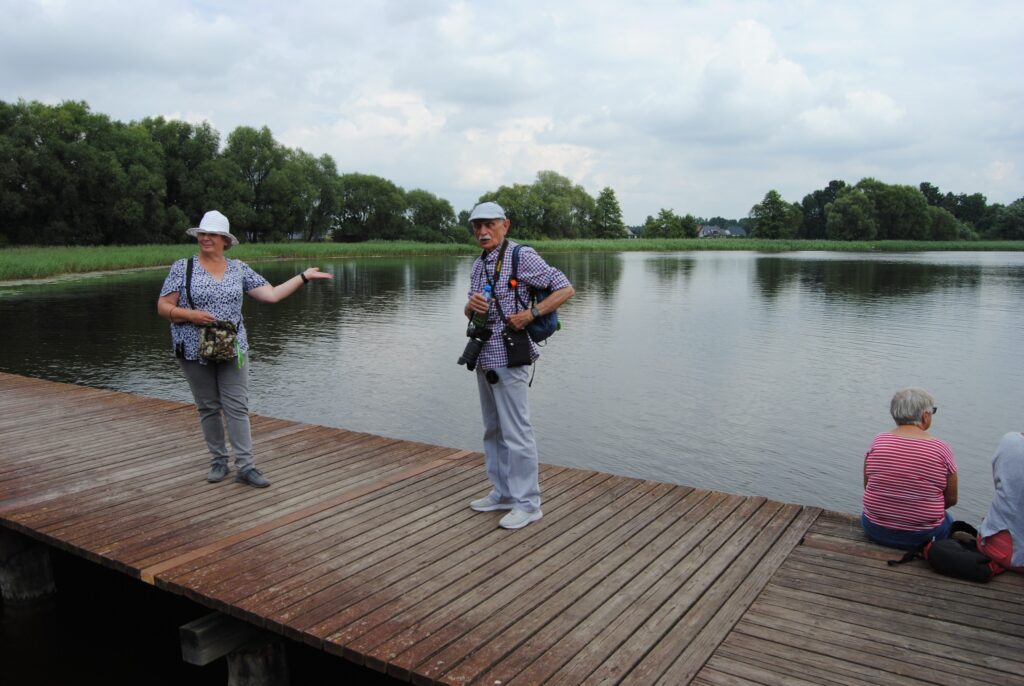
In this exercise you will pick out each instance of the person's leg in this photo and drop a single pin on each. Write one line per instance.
(999, 549)
(233, 384)
(495, 450)
(521, 464)
(202, 379)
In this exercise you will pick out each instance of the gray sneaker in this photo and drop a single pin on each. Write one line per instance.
(217, 472)
(252, 477)
(488, 504)
(517, 519)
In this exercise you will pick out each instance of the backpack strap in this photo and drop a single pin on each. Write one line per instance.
(513, 279)
(908, 557)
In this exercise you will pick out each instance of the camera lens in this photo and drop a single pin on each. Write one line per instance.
(471, 353)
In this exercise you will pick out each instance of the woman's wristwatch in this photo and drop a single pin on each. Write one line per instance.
(303, 275)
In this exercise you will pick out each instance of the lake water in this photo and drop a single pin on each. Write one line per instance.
(751, 373)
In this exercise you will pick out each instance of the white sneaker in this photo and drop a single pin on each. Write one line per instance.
(489, 504)
(517, 519)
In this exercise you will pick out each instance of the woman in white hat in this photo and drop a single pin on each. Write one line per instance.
(215, 288)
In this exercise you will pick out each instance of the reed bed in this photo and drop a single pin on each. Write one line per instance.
(44, 262)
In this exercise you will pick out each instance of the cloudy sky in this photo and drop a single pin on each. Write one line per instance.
(699, 107)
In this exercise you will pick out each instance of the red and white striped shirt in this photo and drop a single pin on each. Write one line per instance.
(906, 478)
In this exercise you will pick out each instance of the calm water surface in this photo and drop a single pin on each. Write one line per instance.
(744, 372)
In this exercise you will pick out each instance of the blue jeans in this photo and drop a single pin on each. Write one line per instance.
(904, 540)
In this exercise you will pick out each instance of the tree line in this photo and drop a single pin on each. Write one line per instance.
(70, 176)
(873, 210)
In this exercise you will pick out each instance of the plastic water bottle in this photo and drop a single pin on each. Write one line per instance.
(480, 318)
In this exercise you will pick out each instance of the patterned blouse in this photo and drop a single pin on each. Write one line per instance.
(222, 299)
(533, 271)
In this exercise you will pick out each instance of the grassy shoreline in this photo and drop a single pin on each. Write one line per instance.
(46, 262)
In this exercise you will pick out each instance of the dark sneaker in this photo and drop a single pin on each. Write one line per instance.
(217, 473)
(252, 477)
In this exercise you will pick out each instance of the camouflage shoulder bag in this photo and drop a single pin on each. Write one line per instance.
(218, 342)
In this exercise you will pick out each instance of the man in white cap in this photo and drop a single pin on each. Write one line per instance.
(510, 447)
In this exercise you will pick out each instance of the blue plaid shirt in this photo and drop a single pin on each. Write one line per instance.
(533, 271)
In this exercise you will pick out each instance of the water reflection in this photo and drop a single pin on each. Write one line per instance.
(749, 373)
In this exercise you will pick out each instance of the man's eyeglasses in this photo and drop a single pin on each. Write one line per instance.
(934, 410)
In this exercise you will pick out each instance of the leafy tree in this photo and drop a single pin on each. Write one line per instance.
(775, 218)
(1009, 222)
(190, 154)
(814, 212)
(431, 219)
(256, 156)
(608, 216)
(522, 208)
(565, 210)
(371, 208)
(851, 216)
(931, 193)
(901, 211)
(670, 225)
(943, 226)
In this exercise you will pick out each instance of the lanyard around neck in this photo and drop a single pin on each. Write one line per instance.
(497, 267)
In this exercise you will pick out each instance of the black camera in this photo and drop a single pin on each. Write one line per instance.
(477, 337)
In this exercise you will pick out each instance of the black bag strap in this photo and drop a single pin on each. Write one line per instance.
(497, 275)
(907, 558)
(188, 283)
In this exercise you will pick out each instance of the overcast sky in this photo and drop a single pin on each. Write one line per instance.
(699, 107)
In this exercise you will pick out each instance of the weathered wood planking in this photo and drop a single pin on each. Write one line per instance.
(835, 613)
(365, 547)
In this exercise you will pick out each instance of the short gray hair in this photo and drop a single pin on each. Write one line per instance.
(908, 404)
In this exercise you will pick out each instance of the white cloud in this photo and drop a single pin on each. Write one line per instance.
(701, 107)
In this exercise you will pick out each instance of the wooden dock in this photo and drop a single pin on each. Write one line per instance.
(365, 547)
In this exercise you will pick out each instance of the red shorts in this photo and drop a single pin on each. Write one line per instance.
(999, 548)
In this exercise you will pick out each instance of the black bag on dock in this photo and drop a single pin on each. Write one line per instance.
(957, 557)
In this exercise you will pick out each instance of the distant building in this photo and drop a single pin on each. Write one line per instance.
(715, 231)
(711, 231)
(736, 231)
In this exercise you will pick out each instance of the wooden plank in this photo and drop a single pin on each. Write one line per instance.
(433, 575)
(868, 650)
(950, 633)
(722, 614)
(482, 595)
(148, 574)
(668, 587)
(628, 545)
(912, 601)
(243, 580)
(893, 639)
(786, 660)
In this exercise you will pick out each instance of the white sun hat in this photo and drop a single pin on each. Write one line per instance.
(216, 223)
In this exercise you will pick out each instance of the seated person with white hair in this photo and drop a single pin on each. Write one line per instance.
(909, 477)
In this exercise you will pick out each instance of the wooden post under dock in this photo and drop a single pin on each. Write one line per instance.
(364, 547)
